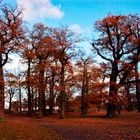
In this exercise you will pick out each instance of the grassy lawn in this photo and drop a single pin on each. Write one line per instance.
(21, 128)
(93, 127)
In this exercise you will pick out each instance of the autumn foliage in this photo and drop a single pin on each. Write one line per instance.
(58, 77)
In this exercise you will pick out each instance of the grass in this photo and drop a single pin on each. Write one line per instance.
(95, 126)
(21, 128)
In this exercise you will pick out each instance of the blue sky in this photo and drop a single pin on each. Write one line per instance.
(83, 12)
(80, 15)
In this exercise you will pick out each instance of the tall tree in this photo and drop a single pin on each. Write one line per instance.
(53, 82)
(136, 31)
(20, 83)
(11, 87)
(43, 46)
(84, 65)
(11, 35)
(116, 44)
(28, 56)
(65, 41)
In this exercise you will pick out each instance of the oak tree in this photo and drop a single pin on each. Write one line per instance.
(65, 41)
(11, 38)
(116, 43)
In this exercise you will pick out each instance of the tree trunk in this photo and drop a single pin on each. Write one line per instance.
(1, 93)
(83, 111)
(42, 101)
(111, 106)
(52, 96)
(83, 103)
(62, 93)
(35, 103)
(51, 105)
(129, 105)
(83, 100)
(20, 101)
(137, 87)
(85, 90)
(111, 110)
(29, 89)
(10, 103)
(129, 102)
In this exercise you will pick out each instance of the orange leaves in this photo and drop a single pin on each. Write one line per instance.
(11, 32)
(118, 44)
(117, 31)
(114, 84)
(136, 41)
(60, 88)
(112, 20)
(29, 53)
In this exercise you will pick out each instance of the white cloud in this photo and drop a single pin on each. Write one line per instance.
(14, 64)
(76, 28)
(39, 9)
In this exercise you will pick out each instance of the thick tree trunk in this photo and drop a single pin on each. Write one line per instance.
(51, 105)
(84, 102)
(137, 87)
(112, 102)
(111, 111)
(42, 101)
(62, 93)
(1, 93)
(42, 104)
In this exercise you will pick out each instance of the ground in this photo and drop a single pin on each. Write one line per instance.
(93, 127)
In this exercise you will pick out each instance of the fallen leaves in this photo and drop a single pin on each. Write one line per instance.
(92, 127)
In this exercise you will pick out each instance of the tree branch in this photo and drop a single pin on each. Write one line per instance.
(98, 52)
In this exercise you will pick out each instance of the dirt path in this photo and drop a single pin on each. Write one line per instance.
(87, 133)
(123, 128)
(76, 133)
